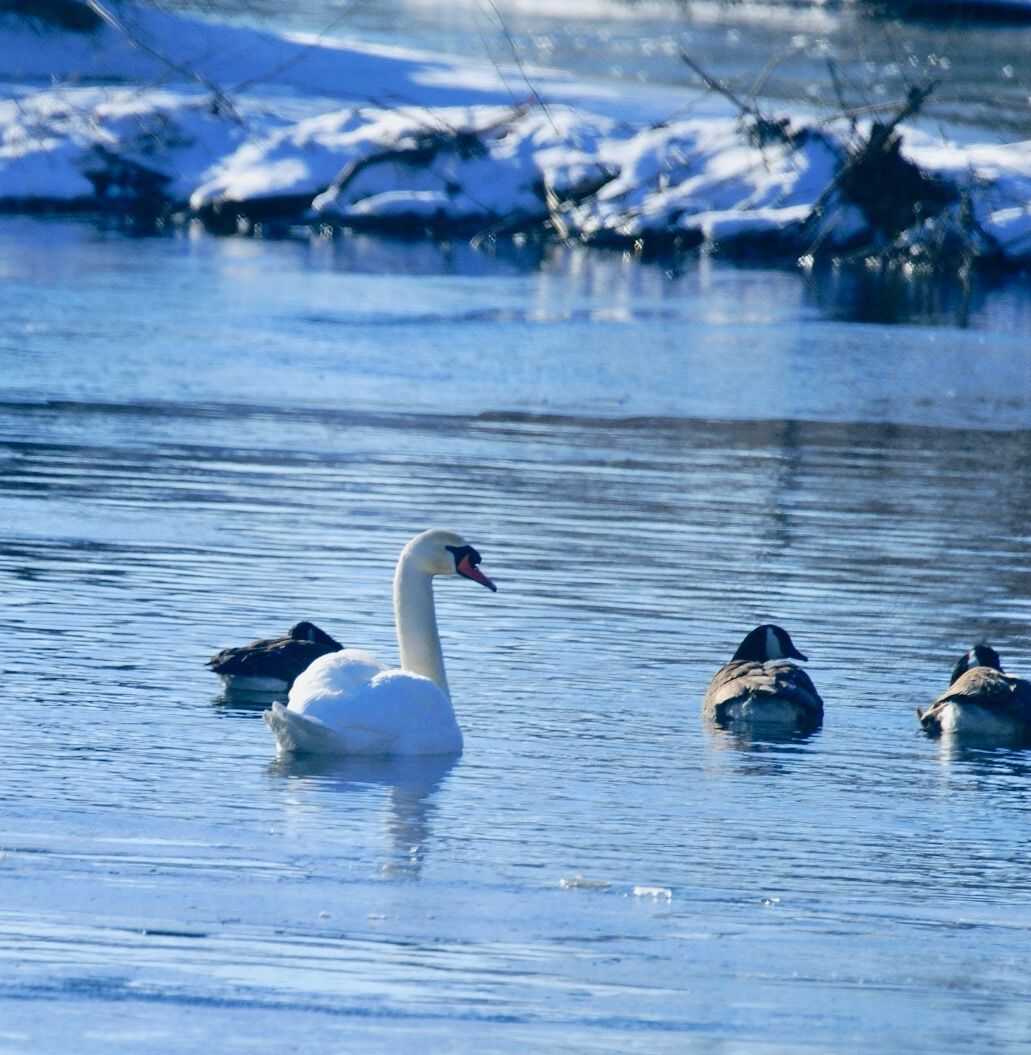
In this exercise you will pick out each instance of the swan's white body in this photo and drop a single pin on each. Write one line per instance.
(348, 703)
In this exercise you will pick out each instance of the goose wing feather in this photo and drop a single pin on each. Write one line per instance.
(985, 687)
(284, 657)
(751, 680)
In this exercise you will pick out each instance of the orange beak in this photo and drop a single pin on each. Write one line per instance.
(470, 571)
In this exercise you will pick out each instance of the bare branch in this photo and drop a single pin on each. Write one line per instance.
(220, 101)
(839, 94)
(719, 87)
(534, 94)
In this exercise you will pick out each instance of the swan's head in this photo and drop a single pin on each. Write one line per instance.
(767, 642)
(979, 656)
(438, 552)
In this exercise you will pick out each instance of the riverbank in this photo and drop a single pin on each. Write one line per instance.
(168, 120)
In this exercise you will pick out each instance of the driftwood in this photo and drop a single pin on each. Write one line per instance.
(912, 217)
(891, 192)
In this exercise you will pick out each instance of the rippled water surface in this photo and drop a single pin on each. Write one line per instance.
(205, 440)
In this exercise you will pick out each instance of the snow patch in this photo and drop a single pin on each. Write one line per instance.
(165, 114)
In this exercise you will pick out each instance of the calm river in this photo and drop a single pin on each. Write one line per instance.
(203, 440)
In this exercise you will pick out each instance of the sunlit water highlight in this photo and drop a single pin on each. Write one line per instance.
(203, 441)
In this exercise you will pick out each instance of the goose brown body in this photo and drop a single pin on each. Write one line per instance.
(981, 700)
(760, 684)
(277, 659)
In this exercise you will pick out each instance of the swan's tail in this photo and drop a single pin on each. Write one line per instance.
(296, 734)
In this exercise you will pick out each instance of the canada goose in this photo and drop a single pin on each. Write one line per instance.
(981, 701)
(270, 665)
(759, 685)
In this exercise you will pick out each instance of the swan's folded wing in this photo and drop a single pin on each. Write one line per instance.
(297, 734)
(358, 708)
(335, 674)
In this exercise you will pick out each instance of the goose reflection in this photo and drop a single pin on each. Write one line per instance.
(999, 765)
(410, 784)
(756, 737)
(229, 703)
(761, 751)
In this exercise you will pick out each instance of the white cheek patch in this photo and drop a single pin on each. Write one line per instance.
(773, 649)
(971, 661)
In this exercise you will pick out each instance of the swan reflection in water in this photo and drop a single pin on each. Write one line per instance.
(410, 784)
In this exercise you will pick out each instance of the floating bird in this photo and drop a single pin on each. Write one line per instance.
(349, 703)
(981, 701)
(760, 686)
(271, 665)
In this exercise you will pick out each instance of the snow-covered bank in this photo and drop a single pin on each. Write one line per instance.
(175, 119)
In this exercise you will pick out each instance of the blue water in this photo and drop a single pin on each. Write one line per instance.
(203, 440)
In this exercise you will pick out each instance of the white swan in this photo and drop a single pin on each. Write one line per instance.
(347, 703)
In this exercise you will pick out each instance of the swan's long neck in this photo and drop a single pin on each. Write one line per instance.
(416, 623)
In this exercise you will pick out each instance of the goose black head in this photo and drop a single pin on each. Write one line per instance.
(767, 642)
(979, 656)
(306, 631)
